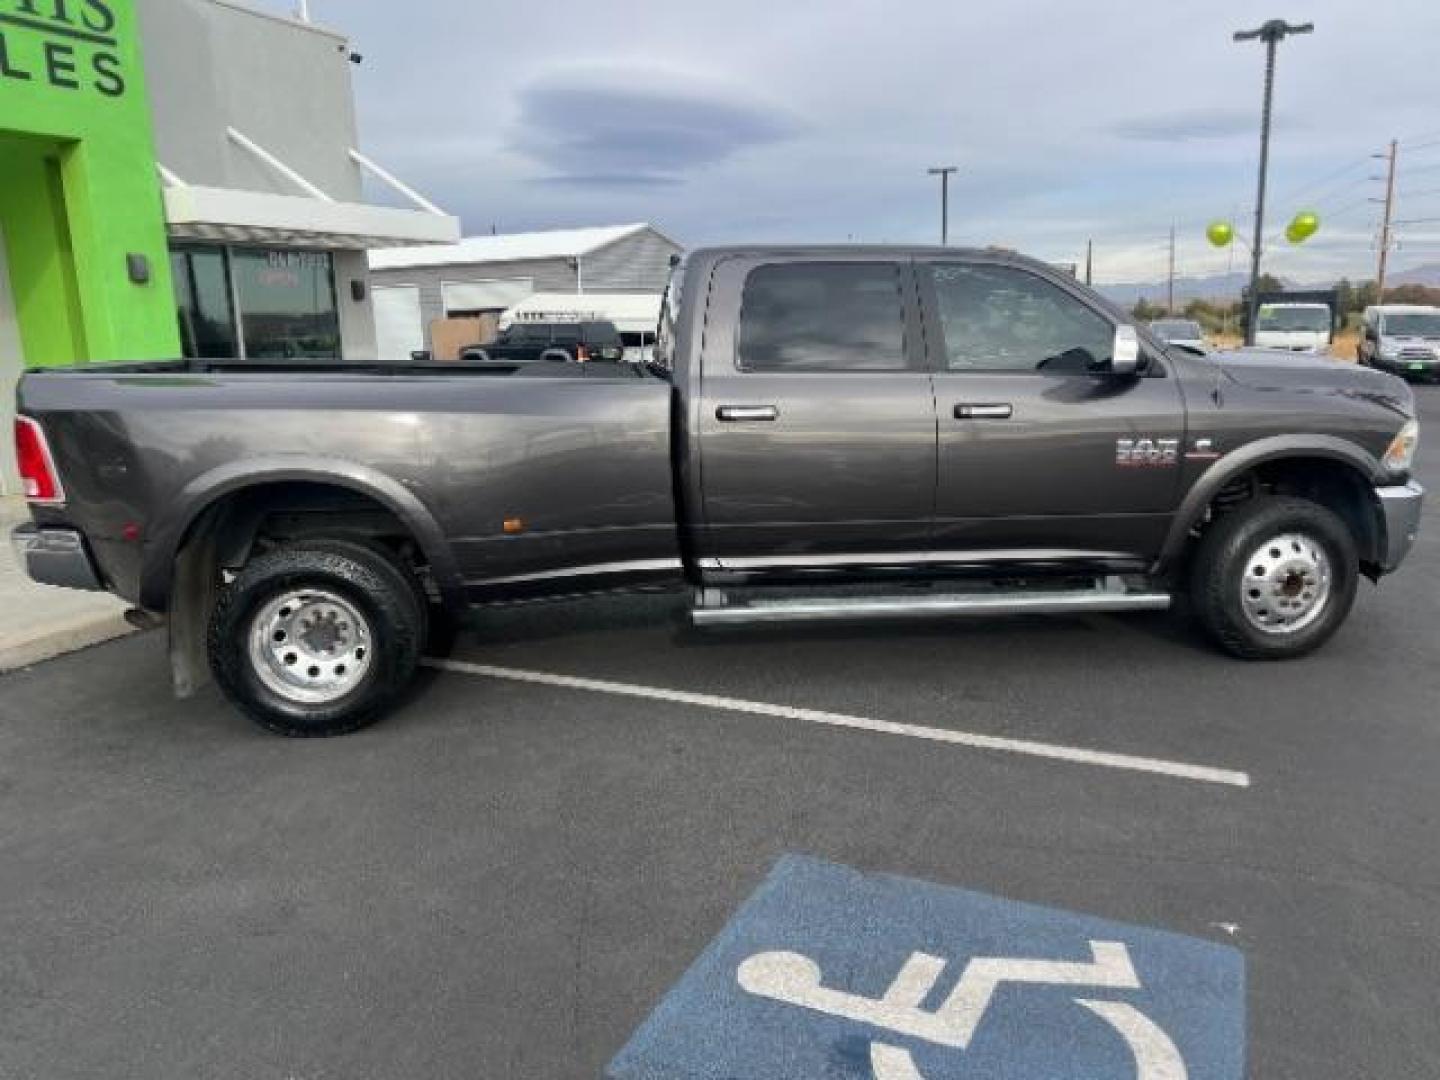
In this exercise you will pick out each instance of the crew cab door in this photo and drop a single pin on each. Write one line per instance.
(1041, 458)
(814, 417)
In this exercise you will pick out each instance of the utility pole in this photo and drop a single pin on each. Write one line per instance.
(944, 172)
(1170, 277)
(1089, 253)
(1385, 222)
(1272, 33)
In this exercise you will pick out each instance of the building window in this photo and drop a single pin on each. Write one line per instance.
(256, 303)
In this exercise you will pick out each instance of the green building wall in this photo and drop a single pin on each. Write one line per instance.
(79, 192)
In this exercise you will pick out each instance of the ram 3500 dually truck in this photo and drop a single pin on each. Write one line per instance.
(825, 433)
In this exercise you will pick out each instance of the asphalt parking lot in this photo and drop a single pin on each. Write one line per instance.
(506, 877)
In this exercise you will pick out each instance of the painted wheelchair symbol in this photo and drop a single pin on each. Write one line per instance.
(796, 980)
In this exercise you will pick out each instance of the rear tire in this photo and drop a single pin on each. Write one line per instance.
(317, 639)
(1274, 578)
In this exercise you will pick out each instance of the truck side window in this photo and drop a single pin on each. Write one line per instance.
(817, 316)
(998, 318)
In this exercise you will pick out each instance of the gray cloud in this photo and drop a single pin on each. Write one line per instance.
(1118, 121)
(1188, 124)
(587, 130)
(612, 180)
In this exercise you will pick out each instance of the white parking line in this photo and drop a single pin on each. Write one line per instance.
(1074, 754)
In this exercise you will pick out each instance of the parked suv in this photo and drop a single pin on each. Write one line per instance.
(1403, 339)
(533, 342)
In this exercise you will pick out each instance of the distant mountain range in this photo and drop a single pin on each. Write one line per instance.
(1427, 274)
(1211, 287)
(1228, 286)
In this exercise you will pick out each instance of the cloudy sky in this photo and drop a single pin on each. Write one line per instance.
(723, 120)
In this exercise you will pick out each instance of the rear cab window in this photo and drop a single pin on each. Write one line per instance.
(801, 317)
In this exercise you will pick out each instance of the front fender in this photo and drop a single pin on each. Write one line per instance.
(168, 532)
(1247, 457)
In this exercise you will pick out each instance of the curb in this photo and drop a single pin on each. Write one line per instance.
(63, 636)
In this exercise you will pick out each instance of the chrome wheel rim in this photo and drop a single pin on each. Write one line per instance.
(310, 646)
(1286, 584)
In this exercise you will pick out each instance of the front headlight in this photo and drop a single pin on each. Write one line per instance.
(1401, 451)
(1389, 350)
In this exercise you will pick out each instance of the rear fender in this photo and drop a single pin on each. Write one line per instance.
(168, 533)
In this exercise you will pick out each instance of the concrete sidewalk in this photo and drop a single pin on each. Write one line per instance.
(41, 621)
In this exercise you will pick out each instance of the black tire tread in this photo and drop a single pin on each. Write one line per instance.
(389, 563)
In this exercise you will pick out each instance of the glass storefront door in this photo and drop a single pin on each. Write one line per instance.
(287, 303)
(202, 293)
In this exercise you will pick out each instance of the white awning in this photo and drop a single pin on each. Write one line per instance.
(252, 217)
(197, 212)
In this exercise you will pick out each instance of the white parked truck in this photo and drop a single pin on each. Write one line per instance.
(1298, 327)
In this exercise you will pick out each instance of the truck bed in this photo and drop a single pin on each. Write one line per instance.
(577, 461)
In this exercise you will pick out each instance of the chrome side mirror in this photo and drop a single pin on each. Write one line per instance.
(1125, 351)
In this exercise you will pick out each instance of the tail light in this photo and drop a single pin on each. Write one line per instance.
(582, 354)
(37, 464)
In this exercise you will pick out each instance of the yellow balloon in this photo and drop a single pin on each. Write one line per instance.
(1302, 226)
(1220, 233)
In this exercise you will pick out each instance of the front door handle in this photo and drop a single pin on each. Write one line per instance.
(971, 410)
(733, 413)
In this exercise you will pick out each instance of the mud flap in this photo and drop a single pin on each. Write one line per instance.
(193, 593)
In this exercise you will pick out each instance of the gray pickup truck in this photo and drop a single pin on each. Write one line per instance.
(826, 433)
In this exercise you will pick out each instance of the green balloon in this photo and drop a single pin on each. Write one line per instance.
(1302, 226)
(1220, 233)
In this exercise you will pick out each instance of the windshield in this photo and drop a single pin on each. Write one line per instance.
(1177, 330)
(525, 334)
(1412, 324)
(1287, 319)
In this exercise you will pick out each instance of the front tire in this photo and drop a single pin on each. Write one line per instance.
(316, 640)
(1274, 578)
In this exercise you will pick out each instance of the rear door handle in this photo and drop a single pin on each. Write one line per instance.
(734, 413)
(974, 410)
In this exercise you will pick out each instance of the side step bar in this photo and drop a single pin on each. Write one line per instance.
(1027, 602)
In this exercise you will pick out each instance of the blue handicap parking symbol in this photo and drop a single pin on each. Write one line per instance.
(829, 972)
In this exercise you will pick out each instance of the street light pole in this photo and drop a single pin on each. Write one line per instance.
(1170, 277)
(944, 171)
(1272, 33)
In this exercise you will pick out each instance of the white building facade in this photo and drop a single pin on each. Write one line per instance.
(258, 154)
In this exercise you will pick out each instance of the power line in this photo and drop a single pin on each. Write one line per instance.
(1357, 182)
(1348, 208)
(1422, 135)
(1303, 189)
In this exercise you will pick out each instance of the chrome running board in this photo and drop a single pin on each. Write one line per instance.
(714, 608)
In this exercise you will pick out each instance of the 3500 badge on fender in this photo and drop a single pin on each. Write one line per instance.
(1147, 452)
